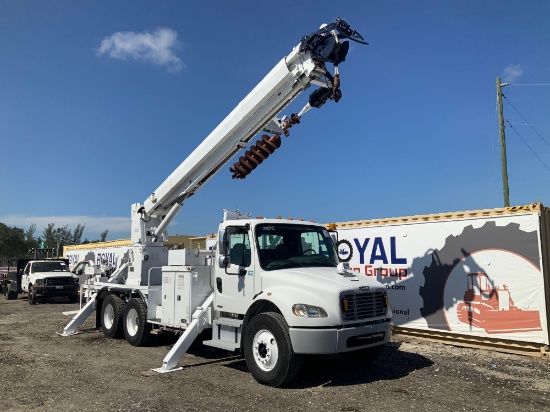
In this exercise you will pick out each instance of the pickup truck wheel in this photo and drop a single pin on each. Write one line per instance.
(363, 356)
(73, 298)
(268, 350)
(111, 317)
(136, 329)
(32, 296)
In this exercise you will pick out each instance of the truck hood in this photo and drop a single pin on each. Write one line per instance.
(320, 279)
(41, 275)
(316, 286)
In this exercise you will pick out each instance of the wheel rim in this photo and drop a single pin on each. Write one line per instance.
(132, 322)
(109, 316)
(266, 352)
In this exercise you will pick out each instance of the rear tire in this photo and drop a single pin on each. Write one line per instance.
(268, 351)
(136, 329)
(112, 312)
(32, 296)
(9, 292)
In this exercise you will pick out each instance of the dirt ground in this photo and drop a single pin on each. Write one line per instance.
(42, 371)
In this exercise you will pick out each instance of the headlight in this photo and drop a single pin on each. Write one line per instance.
(308, 311)
(39, 281)
(76, 280)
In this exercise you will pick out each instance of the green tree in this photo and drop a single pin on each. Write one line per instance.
(77, 234)
(63, 236)
(12, 243)
(48, 236)
(29, 233)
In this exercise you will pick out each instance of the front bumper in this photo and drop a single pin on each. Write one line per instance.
(58, 290)
(339, 339)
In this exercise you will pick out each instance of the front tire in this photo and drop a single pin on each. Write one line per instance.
(268, 350)
(112, 312)
(32, 296)
(136, 329)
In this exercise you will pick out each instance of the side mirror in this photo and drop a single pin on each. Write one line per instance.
(333, 234)
(222, 248)
(222, 242)
(223, 261)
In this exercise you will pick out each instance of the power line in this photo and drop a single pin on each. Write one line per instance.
(526, 121)
(531, 124)
(526, 144)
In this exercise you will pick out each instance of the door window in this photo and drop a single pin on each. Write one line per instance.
(239, 246)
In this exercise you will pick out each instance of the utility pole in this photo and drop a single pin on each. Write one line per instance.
(505, 189)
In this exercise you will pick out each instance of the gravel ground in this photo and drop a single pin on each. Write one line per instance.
(42, 371)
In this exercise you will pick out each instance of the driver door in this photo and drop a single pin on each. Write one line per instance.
(234, 283)
(25, 278)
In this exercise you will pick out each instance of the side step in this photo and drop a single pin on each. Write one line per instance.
(226, 334)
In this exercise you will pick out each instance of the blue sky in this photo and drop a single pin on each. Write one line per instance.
(100, 101)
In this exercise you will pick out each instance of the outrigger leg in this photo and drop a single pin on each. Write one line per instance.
(201, 319)
(80, 317)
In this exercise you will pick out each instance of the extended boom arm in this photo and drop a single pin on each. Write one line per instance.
(257, 111)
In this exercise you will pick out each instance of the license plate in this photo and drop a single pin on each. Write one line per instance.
(59, 287)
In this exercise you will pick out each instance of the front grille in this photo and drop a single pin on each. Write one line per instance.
(357, 305)
(59, 281)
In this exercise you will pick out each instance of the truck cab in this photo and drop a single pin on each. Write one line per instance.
(49, 278)
(291, 268)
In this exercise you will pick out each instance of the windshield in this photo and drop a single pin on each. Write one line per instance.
(49, 267)
(283, 246)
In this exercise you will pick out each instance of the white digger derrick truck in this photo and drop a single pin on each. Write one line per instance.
(272, 288)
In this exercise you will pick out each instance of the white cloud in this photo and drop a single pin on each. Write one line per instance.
(512, 73)
(157, 47)
(94, 225)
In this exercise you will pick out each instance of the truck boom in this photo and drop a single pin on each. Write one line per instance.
(305, 65)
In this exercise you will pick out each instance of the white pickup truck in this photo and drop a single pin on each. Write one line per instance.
(48, 278)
